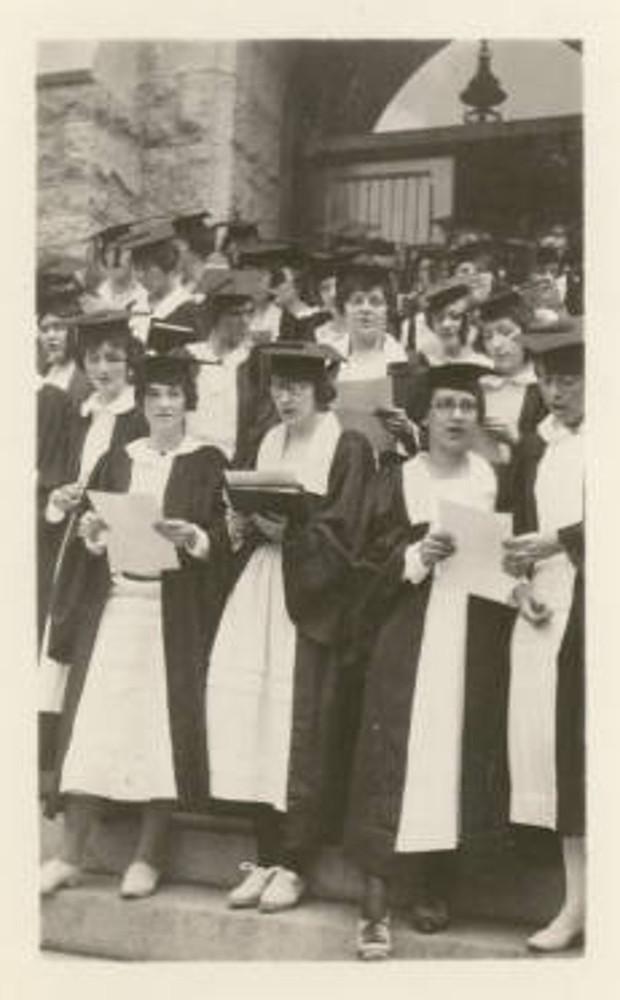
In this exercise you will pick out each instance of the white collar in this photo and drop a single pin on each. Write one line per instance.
(123, 403)
(552, 430)
(140, 450)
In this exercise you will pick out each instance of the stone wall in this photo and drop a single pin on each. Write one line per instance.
(164, 127)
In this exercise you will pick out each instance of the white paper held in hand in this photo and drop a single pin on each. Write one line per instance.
(134, 546)
(476, 565)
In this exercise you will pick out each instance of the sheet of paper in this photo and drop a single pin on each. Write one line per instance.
(133, 544)
(355, 407)
(476, 566)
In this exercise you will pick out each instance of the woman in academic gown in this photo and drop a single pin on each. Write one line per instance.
(108, 417)
(513, 401)
(413, 627)
(546, 745)
(58, 298)
(273, 691)
(132, 728)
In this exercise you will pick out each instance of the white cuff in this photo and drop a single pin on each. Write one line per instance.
(199, 547)
(414, 570)
(53, 513)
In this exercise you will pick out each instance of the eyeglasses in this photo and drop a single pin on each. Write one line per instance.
(444, 406)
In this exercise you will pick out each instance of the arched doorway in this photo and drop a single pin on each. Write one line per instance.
(511, 176)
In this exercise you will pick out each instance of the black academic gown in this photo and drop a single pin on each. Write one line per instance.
(570, 700)
(192, 598)
(318, 570)
(388, 629)
(53, 417)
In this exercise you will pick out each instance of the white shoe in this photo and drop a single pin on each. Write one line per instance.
(249, 892)
(57, 874)
(283, 892)
(564, 932)
(140, 880)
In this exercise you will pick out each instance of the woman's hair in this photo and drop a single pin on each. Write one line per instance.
(323, 387)
(71, 344)
(431, 314)
(133, 348)
(165, 256)
(360, 281)
(185, 378)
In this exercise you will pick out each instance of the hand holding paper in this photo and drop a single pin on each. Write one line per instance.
(476, 565)
(134, 544)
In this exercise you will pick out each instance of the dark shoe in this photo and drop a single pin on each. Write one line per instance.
(430, 915)
(374, 941)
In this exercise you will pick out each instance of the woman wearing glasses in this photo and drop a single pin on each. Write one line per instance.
(406, 789)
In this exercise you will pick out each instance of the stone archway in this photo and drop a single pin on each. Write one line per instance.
(342, 87)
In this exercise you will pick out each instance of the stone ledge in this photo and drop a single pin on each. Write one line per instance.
(193, 923)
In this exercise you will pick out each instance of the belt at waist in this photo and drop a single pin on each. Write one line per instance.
(140, 578)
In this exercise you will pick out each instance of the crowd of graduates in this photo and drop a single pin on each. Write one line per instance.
(315, 663)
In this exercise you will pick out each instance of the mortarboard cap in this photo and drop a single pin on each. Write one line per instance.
(147, 238)
(164, 337)
(443, 294)
(272, 254)
(503, 302)
(560, 345)
(301, 359)
(233, 285)
(303, 329)
(95, 327)
(166, 368)
(196, 231)
(57, 292)
(459, 375)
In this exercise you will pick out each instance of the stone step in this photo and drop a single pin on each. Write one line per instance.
(494, 883)
(190, 922)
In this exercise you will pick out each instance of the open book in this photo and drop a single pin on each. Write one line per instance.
(264, 492)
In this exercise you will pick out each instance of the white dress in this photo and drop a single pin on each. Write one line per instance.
(430, 813)
(121, 745)
(249, 698)
(534, 651)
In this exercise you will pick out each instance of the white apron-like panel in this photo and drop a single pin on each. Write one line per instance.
(250, 687)
(121, 746)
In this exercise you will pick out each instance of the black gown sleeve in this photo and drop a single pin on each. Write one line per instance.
(318, 554)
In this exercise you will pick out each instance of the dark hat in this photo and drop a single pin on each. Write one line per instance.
(196, 231)
(164, 337)
(443, 294)
(272, 254)
(145, 238)
(93, 328)
(230, 286)
(111, 235)
(57, 292)
(303, 329)
(326, 263)
(503, 302)
(472, 249)
(560, 346)
(301, 360)
(459, 375)
(166, 368)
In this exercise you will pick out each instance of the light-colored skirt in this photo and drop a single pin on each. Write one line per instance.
(430, 811)
(532, 699)
(121, 745)
(249, 697)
